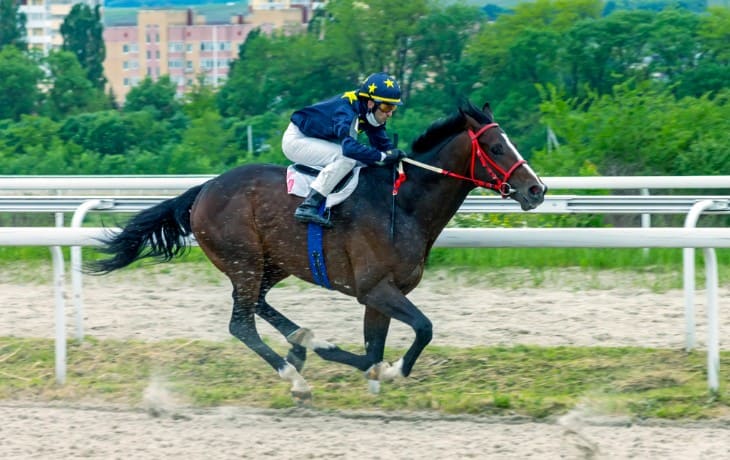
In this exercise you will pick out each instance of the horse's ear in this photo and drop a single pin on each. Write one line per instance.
(487, 109)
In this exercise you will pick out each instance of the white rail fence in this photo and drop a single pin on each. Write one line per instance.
(688, 237)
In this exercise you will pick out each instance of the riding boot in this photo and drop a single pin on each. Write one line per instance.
(308, 211)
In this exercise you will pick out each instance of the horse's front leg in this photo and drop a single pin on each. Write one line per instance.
(375, 332)
(390, 302)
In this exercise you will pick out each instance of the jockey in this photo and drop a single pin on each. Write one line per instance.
(325, 135)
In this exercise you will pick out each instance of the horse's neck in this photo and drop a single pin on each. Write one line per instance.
(432, 198)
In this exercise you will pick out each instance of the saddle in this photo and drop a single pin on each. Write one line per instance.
(299, 177)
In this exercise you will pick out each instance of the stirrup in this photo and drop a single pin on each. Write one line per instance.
(314, 219)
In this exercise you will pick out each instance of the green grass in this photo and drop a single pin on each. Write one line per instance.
(658, 269)
(536, 382)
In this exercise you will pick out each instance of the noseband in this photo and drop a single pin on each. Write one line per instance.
(499, 184)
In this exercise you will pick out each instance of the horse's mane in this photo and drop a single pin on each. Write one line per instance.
(446, 128)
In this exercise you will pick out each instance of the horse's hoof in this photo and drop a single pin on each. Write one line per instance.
(392, 372)
(302, 398)
(301, 336)
(374, 386)
(375, 372)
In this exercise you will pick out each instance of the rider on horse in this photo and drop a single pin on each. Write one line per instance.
(325, 135)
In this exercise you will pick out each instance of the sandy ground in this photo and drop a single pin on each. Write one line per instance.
(175, 302)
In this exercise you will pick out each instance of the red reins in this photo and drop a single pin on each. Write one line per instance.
(499, 184)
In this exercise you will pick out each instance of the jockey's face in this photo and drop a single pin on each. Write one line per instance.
(379, 114)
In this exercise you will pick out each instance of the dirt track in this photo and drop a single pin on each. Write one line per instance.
(179, 303)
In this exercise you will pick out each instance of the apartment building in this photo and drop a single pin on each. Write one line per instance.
(44, 19)
(188, 45)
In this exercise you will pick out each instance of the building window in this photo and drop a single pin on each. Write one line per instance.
(149, 54)
(176, 47)
(189, 48)
(189, 65)
(126, 82)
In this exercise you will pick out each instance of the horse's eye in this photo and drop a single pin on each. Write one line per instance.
(497, 149)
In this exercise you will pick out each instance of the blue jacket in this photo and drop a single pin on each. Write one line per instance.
(332, 120)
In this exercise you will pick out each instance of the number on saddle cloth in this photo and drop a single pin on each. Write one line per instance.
(299, 177)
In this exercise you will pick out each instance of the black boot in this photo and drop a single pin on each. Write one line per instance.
(308, 211)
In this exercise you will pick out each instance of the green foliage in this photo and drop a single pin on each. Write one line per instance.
(156, 97)
(636, 130)
(12, 25)
(636, 91)
(82, 32)
(19, 84)
(70, 90)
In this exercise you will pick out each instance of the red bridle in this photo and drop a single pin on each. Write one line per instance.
(499, 184)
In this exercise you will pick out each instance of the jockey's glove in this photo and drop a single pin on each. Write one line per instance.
(391, 156)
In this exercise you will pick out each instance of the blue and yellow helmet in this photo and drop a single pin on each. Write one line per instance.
(381, 87)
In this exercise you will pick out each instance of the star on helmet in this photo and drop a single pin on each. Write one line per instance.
(381, 87)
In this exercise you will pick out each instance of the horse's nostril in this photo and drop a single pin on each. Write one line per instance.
(537, 190)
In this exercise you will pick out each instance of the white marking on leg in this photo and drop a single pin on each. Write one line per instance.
(305, 338)
(374, 386)
(322, 344)
(375, 374)
(290, 373)
(393, 372)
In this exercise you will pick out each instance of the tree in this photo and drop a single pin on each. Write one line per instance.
(712, 71)
(375, 36)
(82, 33)
(70, 91)
(12, 24)
(639, 130)
(199, 100)
(19, 82)
(254, 80)
(155, 96)
(439, 63)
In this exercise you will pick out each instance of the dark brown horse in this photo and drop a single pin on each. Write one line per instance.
(244, 222)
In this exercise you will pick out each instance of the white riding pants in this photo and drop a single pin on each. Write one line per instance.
(312, 151)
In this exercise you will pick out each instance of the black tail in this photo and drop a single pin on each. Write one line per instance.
(158, 232)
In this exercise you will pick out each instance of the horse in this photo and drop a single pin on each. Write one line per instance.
(243, 220)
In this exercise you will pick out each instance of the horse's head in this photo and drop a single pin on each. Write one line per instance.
(497, 164)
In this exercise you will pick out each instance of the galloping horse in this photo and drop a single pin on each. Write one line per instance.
(244, 222)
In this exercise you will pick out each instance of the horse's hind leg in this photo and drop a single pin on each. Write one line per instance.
(293, 332)
(298, 353)
(243, 327)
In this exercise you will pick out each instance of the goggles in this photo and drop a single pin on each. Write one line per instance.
(386, 108)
